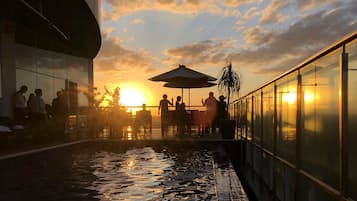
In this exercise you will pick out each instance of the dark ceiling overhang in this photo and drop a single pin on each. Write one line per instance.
(70, 25)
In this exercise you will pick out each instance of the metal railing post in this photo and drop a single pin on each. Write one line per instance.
(343, 124)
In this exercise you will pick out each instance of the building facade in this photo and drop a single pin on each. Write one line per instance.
(48, 45)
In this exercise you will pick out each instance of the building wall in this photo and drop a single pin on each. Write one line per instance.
(31, 54)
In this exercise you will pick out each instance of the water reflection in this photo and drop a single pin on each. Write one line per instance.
(144, 174)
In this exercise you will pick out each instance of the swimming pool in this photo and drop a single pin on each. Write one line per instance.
(120, 171)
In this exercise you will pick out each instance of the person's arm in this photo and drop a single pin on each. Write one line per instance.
(203, 102)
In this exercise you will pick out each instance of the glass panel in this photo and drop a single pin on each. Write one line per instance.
(46, 84)
(352, 118)
(244, 118)
(26, 58)
(26, 78)
(320, 118)
(267, 169)
(48, 71)
(268, 117)
(249, 118)
(310, 191)
(257, 157)
(257, 121)
(286, 117)
(285, 182)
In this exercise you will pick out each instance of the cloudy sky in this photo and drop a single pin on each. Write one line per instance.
(262, 39)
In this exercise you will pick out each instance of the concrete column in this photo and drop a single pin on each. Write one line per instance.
(8, 66)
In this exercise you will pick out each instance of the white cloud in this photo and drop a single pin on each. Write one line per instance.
(272, 13)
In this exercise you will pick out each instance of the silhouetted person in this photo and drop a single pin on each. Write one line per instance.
(222, 113)
(59, 111)
(20, 110)
(180, 111)
(143, 118)
(164, 109)
(38, 107)
(211, 110)
(28, 103)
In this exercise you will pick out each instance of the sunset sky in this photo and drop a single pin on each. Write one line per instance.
(262, 39)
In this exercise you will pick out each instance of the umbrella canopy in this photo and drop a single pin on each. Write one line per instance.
(188, 85)
(182, 74)
(183, 77)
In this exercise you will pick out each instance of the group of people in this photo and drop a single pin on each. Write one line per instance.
(35, 109)
(216, 112)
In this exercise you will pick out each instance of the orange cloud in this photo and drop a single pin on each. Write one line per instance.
(114, 56)
(206, 52)
(236, 3)
(187, 7)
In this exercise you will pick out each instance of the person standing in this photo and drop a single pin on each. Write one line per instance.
(211, 111)
(59, 111)
(38, 107)
(222, 113)
(20, 111)
(164, 109)
(180, 116)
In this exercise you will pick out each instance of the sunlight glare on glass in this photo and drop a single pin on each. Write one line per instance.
(289, 97)
(131, 97)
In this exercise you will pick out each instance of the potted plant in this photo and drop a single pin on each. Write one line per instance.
(229, 83)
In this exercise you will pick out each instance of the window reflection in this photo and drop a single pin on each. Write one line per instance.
(37, 68)
(286, 117)
(320, 118)
(352, 118)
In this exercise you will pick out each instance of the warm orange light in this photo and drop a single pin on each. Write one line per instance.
(289, 97)
(131, 97)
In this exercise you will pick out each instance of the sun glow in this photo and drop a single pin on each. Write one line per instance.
(131, 97)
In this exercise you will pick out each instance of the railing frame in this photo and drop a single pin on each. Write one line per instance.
(342, 192)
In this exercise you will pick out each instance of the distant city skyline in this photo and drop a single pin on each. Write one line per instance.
(261, 38)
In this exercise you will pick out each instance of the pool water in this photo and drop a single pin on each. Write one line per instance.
(119, 173)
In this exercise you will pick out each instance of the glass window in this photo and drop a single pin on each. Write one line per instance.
(47, 70)
(268, 117)
(257, 117)
(285, 182)
(286, 117)
(249, 118)
(243, 118)
(351, 49)
(320, 118)
(26, 58)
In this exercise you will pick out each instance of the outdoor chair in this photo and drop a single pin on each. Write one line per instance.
(143, 119)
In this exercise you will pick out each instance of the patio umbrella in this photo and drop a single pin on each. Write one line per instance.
(188, 85)
(183, 77)
(182, 74)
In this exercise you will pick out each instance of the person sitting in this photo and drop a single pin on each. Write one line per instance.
(143, 118)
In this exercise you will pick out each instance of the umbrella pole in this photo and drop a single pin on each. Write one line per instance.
(182, 94)
(189, 98)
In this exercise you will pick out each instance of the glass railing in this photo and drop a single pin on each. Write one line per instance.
(300, 129)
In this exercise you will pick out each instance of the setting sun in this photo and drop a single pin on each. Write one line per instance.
(131, 97)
